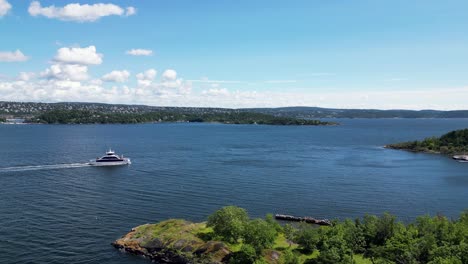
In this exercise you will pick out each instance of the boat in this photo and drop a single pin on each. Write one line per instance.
(110, 159)
(461, 158)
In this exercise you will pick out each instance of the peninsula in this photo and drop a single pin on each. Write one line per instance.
(230, 236)
(454, 142)
(93, 117)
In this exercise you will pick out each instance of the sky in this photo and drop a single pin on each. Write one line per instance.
(388, 54)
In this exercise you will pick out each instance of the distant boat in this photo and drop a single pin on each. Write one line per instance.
(110, 159)
(461, 158)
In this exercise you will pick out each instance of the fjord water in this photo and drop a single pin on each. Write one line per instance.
(55, 209)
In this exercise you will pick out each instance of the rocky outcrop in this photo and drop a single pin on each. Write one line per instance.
(173, 241)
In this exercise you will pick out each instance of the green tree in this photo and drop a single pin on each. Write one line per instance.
(307, 237)
(260, 234)
(229, 223)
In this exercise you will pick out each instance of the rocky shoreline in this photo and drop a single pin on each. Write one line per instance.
(173, 241)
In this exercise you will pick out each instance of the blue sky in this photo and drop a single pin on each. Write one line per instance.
(360, 54)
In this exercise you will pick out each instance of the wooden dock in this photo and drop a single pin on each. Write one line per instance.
(306, 219)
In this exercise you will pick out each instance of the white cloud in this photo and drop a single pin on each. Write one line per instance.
(130, 11)
(139, 52)
(146, 78)
(206, 80)
(116, 76)
(79, 13)
(12, 56)
(61, 86)
(169, 75)
(26, 76)
(68, 72)
(4, 7)
(77, 55)
(216, 92)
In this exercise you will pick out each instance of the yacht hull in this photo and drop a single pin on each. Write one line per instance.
(110, 163)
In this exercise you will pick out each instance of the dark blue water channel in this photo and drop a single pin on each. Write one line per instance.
(54, 209)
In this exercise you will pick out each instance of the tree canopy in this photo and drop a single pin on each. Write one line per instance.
(454, 142)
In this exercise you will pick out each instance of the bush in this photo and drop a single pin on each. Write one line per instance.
(289, 257)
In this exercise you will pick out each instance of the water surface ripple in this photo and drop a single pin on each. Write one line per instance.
(56, 209)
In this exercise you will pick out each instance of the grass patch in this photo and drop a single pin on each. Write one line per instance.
(361, 259)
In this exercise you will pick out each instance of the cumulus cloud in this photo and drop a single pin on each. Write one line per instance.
(169, 75)
(79, 13)
(4, 7)
(168, 87)
(116, 76)
(139, 52)
(146, 78)
(77, 55)
(12, 56)
(67, 72)
(26, 76)
(60, 85)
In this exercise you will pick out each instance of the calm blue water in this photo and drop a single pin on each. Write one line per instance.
(55, 213)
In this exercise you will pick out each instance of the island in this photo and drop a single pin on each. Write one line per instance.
(230, 236)
(92, 117)
(454, 142)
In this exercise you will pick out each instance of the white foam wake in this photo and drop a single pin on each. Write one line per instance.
(43, 167)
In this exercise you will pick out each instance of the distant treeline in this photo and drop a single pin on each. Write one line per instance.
(455, 142)
(28, 109)
(90, 117)
(317, 112)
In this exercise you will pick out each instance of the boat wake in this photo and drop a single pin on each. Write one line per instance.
(43, 167)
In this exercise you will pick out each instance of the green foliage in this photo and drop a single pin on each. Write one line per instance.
(259, 234)
(307, 237)
(380, 239)
(232, 117)
(246, 255)
(454, 142)
(288, 257)
(270, 219)
(229, 223)
(289, 231)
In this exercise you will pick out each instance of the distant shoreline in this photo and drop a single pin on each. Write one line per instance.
(452, 143)
(93, 117)
(29, 109)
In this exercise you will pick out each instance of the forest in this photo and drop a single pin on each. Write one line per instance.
(370, 239)
(90, 117)
(454, 142)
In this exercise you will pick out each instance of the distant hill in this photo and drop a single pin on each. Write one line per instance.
(317, 112)
(29, 109)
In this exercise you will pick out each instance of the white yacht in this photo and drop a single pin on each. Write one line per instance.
(110, 159)
(461, 158)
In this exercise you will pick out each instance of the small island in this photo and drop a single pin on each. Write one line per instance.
(230, 236)
(91, 117)
(454, 142)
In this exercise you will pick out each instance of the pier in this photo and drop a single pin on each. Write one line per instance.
(306, 219)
